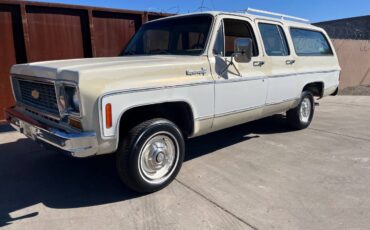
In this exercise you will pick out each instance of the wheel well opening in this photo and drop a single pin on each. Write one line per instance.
(316, 88)
(179, 113)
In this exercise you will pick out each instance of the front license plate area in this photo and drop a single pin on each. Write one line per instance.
(29, 131)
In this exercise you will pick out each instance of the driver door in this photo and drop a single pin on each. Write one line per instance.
(241, 89)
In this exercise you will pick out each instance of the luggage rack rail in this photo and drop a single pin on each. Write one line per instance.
(282, 16)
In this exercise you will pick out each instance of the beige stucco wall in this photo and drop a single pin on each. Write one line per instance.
(354, 58)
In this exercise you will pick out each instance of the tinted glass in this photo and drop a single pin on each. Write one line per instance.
(178, 36)
(237, 29)
(310, 43)
(274, 40)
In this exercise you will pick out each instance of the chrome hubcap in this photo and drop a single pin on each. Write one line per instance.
(305, 110)
(158, 157)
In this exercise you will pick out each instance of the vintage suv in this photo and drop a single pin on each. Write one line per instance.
(179, 77)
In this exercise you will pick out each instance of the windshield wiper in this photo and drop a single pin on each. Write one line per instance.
(130, 52)
(159, 52)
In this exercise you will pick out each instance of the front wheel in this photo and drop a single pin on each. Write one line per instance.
(150, 155)
(301, 116)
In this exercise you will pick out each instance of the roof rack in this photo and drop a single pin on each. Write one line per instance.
(282, 16)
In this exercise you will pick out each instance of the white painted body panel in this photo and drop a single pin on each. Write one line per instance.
(240, 89)
(199, 96)
(282, 81)
(216, 101)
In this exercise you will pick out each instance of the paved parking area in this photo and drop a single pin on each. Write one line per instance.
(255, 176)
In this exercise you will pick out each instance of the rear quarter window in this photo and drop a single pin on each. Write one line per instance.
(310, 43)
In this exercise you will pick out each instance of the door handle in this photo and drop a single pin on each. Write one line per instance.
(258, 63)
(289, 62)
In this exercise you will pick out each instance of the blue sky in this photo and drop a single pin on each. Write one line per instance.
(315, 10)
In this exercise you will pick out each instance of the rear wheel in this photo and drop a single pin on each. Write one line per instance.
(301, 116)
(150, 156)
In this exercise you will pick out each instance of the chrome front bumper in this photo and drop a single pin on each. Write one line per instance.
(82, 144)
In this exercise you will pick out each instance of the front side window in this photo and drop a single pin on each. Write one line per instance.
(274, 39)
(310, 43)
(176, 36)
(234, 29)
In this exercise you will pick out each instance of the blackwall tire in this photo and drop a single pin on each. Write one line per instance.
(301, 116)
(150, 155)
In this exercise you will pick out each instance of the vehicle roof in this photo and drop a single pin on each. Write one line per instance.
(291, 23)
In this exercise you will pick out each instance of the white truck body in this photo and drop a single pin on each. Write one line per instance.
(266, 85)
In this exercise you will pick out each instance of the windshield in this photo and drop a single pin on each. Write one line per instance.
(177, 36)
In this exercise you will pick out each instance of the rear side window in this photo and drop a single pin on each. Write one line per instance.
(310, 43)
(274, 39)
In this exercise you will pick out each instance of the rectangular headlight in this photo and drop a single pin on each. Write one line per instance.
(69, 99)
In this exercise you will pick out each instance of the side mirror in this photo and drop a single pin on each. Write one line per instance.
(243, 50)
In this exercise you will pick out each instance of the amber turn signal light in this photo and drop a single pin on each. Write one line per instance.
(75, 123)
(108, 116)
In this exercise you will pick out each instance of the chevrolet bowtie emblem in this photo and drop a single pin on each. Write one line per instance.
(35, 94)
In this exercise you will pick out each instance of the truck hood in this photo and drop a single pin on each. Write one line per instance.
(72, 69)
(102, 75)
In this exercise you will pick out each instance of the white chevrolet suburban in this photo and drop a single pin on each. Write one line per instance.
(179, 77)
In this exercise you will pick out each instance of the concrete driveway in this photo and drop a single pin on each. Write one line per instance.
(255, 176)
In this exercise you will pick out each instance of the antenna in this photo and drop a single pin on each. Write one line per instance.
(202, 7)
(282, 16)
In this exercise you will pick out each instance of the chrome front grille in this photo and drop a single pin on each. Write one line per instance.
(38, 95)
